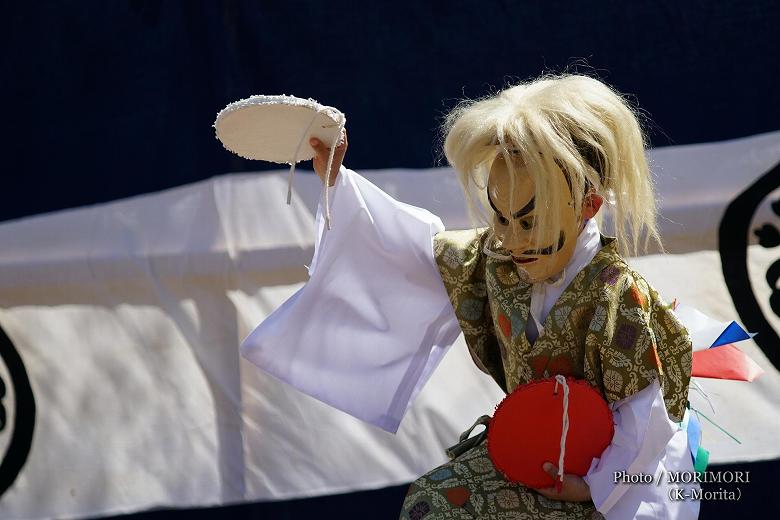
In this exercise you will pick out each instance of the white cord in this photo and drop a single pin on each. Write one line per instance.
(562, 380)
(295, 156)
(698, 388)
(498, 256)
(493, 254)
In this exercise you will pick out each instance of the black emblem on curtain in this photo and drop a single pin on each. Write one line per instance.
(733, 239)
(17, 413)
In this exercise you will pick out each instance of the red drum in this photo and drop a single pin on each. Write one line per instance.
(525, 431)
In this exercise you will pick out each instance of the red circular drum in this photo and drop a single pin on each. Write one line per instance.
(526, 429)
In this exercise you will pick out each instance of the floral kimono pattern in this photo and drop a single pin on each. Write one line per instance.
(608, 327)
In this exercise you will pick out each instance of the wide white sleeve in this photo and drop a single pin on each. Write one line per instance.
(373, 321)
(646, 444)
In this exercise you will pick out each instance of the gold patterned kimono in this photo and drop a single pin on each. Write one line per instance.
(608, 327)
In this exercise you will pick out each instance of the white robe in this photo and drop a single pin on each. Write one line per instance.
(374, 320)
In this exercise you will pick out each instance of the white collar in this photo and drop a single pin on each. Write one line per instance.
(545, 294)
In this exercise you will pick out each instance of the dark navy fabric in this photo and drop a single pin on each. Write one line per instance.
(105, 100)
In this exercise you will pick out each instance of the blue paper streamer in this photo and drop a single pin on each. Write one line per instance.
(694, 435)
(732, 334)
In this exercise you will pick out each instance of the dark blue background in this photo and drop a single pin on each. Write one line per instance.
(105, 100)
(109, 99)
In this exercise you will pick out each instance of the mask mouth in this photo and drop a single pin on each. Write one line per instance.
(549, 250)
(523, 260)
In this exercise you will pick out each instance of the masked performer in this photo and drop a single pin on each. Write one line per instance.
(539, 292)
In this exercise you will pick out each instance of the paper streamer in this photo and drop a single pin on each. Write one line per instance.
(725, 362)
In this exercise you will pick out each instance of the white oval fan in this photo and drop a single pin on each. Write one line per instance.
(278, 129)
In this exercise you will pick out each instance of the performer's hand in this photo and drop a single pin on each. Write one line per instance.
(573, 489)
(321, 158)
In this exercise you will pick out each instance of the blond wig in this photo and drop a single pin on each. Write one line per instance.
(568, 125)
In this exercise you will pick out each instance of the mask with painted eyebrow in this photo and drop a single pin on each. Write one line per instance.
(522, 212)
(541, 255)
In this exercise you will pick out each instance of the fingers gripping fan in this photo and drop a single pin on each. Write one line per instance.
(560, 420)
(278, 129)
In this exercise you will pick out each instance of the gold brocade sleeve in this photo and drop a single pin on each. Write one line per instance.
(637, 339)
(462, 268)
